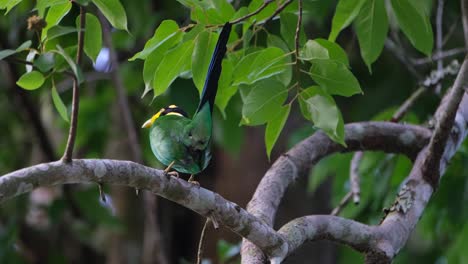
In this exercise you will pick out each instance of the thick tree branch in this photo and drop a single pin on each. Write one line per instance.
(445, 118)
(384, 136)
(134, 175)
(318, 227)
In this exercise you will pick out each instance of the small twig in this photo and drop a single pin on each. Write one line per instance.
(439, 43)
(67, 155)
(278, 10)
(389, 44)
(240, 19)
(438, 56)
(342, 204)
(354, 176)
(450, 32)
(401, 112)
(201, 244)
(464, 9)
(215, 221)
(296, 40)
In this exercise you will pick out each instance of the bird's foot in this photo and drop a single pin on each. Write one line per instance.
(172, 173)
(193, 181)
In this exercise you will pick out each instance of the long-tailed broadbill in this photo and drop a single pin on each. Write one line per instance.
(182, 143)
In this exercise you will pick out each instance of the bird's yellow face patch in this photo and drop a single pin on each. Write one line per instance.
(150, 121)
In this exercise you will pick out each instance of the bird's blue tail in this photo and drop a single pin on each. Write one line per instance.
(214, 70)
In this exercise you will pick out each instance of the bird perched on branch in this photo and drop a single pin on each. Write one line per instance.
(182, 143)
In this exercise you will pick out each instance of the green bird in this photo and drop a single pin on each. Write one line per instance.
(182, 143)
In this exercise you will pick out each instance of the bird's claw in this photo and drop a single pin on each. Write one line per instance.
(172, 173)
(194, 182)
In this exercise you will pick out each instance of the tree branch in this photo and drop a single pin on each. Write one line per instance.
(134, 175)
(67, 155)
(445, 118)
(384, 136)
(259, 9)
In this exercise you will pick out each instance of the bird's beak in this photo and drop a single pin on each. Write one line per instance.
(150, 121)
(147, 124)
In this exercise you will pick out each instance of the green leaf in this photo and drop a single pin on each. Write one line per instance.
(75, 69)
(41, 5)
(173, 64)
(319, 107)
(313, 50)
(335, 52)
(371, 28)
(45, 62)
(334, 77)
(224, 8)
(58, 103)
(8, 5)
(31, 80)
(275, 41)
(263, 102)
(92, 36)
(259, 65)
(57, 31)
(415, 24)
(288, 30)
(346, 12)
(167, 35)
(8, 52)
(54, 16)
(114, 12)
(274, 128)
(225, 89)
(201, 57)
(323, 49)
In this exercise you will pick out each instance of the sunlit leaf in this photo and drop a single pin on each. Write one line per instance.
(173, 64)
(274, 128)
(166, 35)
(334, 77)
(371, 28)
(114, 12)
(31, 80)
(275, 41)
(319, 107)
(54, 16)
(263, 102)
(259, 65)
(8, 5)
(346, 12)
(335, 51)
